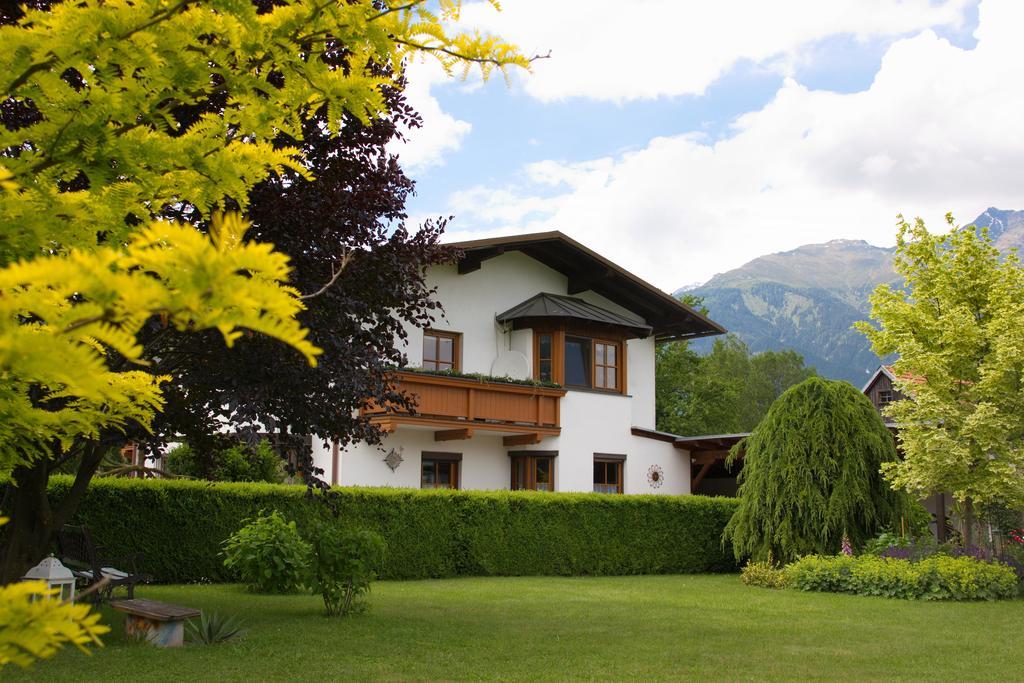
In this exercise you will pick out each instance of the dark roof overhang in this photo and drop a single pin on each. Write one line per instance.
(709, 442)
(556, 307)
(585, 269)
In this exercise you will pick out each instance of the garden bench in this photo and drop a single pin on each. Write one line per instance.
(160, 623)
(86, 561)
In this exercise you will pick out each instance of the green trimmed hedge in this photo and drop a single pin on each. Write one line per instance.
(181, 525)
(935, 578)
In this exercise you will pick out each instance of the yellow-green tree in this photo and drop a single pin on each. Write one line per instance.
(958, 328)
(84, 259)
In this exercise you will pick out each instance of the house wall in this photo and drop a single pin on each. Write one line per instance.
(881, 383)
(592, 422)
(485, 460)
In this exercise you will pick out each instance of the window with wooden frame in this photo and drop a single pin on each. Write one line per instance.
(884, 398)
(607, 361)
(578, 368)
(533, 471)
(545, 355)
(441, 350)
(608, 471)
(579, 361)
(439, 470)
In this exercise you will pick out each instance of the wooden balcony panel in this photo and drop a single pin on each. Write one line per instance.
(516, 407)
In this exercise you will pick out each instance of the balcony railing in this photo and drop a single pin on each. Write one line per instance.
(457, 402)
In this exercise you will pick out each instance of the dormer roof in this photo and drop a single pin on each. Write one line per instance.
(669, 318)
(554, 306)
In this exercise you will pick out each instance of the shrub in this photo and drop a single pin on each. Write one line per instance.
(237, 463)
(763, 574)
(345, 562)
(268, 554)
(935, 578)
(180, 525)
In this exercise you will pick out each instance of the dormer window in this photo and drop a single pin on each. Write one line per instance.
(577, 343)
(578, 361)
(545, 358)
(606, 364)
(440, 350)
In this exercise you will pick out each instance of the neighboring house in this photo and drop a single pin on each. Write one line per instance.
(882, 391)
(573, 337)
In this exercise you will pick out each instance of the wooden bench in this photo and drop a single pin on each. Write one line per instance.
(160, 623)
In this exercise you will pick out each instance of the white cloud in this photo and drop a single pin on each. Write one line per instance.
(939, 129)
(440, 133)
(614, 50)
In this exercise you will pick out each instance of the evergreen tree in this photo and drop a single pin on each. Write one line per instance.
(812, 473)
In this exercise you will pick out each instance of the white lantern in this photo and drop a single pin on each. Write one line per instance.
(56, 575)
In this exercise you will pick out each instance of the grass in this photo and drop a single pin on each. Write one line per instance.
(639, 628)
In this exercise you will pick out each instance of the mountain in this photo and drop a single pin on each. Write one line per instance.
(807, 299)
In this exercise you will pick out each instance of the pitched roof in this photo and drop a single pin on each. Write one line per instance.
(882, 370)
(889, 372)
(556, 306)
(587, 270)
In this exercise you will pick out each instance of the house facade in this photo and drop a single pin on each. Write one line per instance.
(560, 343)
(881, 389)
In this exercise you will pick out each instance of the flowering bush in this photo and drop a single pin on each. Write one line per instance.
(935, 578)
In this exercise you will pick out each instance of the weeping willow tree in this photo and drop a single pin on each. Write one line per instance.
(812, 472)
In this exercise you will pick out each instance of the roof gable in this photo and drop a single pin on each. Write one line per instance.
(585, 270)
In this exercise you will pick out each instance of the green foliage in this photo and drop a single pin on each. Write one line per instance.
(105, 151)
(764, 574)
(958, 329)
(429, 533)
(237, 463)
(725, 392)
(32, 628)
(34, 624)
(480, 377)
(146, 58)
(935, 578)
(57, 383)
(268, 554)
(812, 473)
(345, 563)
(213, 628)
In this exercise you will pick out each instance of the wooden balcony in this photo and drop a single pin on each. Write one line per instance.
(456, 407)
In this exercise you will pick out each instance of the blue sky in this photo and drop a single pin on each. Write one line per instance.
(690, 150)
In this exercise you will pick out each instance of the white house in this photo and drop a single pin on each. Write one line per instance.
(578, 332)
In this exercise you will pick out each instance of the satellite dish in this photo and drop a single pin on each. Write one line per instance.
(511, 364)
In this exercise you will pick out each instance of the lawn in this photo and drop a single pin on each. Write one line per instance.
(640, 628)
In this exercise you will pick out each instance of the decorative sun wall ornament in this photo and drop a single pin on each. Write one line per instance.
(393, 459)
(655, 476)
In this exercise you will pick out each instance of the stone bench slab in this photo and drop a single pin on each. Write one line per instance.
(160, 623)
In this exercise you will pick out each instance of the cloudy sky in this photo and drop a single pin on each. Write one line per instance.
(684, 138)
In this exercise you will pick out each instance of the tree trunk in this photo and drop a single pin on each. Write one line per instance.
(968, 522)
(34, 523)
(26, 537)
